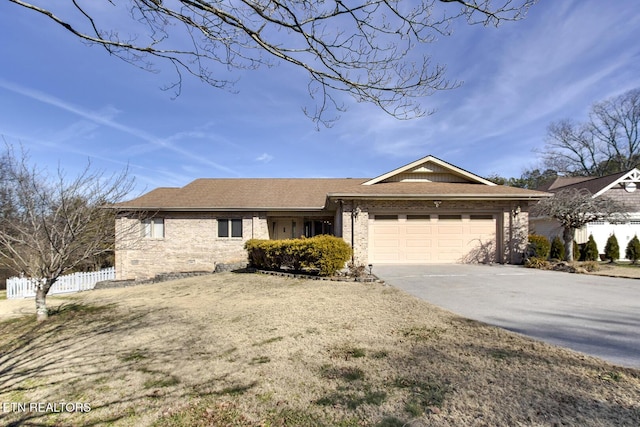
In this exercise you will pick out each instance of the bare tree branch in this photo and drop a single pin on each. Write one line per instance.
(363, 48)
(607, 143)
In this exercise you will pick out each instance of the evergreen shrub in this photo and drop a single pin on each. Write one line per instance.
(590, 251)
(557, 249)
(632, 253)
(539, 246)
(612, 249)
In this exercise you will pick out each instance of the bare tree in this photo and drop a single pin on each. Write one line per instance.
(607, 143)
(364, 48)
(57, 223)
(574, 208)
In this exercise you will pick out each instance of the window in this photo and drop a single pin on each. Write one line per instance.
(418, 217)
(229, 228)
(386, 217)
(153, 228)
(449, 217)
(481, 217)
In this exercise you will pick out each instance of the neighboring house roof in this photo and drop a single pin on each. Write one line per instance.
(429, 178)
(562, 181)
(599, 185)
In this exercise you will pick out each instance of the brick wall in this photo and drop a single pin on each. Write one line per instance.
(190, 243)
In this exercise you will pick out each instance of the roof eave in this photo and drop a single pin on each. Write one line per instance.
(216, 209)
(438, 196)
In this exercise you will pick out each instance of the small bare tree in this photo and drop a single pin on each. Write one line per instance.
(56, 223)
(575, 208)
(365, 48)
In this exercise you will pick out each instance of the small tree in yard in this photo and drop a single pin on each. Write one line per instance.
(633, 250)
(575, 208)
(612, 249)
(557, 248)
(590, 250)
(55, 224)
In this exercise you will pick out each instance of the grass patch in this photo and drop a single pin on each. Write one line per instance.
(353, 399)
(260, 360)
(134, 356)
(347, 352)
(168, 381)
(268, 341)
(342, 373)
(422, 394)
(422, 333)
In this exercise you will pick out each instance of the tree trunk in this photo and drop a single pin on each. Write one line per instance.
(42, 290)
(41, 305)
(567, 236)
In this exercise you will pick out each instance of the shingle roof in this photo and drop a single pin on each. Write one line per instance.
(307, 193)
(593, 185)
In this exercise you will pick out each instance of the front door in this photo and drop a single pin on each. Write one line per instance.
(283, 228)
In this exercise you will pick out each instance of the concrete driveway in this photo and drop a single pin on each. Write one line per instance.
(595, 315)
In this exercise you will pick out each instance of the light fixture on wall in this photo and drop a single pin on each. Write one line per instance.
(516, 211)
(437, 203)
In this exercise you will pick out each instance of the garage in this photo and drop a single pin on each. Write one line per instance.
(431, 238)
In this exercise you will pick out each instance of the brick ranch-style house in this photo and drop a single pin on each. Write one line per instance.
(428, 211)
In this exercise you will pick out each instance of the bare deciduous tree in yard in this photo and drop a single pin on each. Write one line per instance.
(55, 223)
(365, 48)
(607, 143)
(574, 208)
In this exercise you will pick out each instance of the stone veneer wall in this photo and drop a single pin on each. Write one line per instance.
(190, 243)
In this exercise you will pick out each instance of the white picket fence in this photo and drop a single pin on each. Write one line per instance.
(23, 287)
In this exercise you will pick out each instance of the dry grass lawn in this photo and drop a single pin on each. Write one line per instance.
(255, 350)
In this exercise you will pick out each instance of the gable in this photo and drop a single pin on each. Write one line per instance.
(429, 169)
(629, 181)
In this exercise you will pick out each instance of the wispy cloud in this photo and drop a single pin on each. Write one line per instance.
(106, 117)
(264, 158)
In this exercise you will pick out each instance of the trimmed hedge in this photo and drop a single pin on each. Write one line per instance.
(322, 254)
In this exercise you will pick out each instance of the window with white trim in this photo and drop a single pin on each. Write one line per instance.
(229, 227)
(153, 228)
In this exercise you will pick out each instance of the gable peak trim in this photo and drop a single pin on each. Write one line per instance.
(420, 165)
(631, 177)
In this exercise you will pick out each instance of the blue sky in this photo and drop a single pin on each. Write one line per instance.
(67, 102)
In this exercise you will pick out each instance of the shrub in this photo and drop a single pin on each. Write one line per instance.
(535, 262)
(632, 252)
(612, 249)
(577, 251)
(538, 246)
(322, 254)
(590, 251)
(557, 249)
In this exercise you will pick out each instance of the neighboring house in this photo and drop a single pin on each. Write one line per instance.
(623, 187)
(428, 211)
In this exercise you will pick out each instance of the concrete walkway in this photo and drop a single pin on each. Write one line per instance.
(596, 315)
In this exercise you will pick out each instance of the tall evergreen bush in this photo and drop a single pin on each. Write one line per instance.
(557, 249)
(612, 249)
(632, 252)
(590, 252)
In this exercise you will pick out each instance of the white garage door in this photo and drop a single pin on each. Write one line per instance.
(429, 238)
